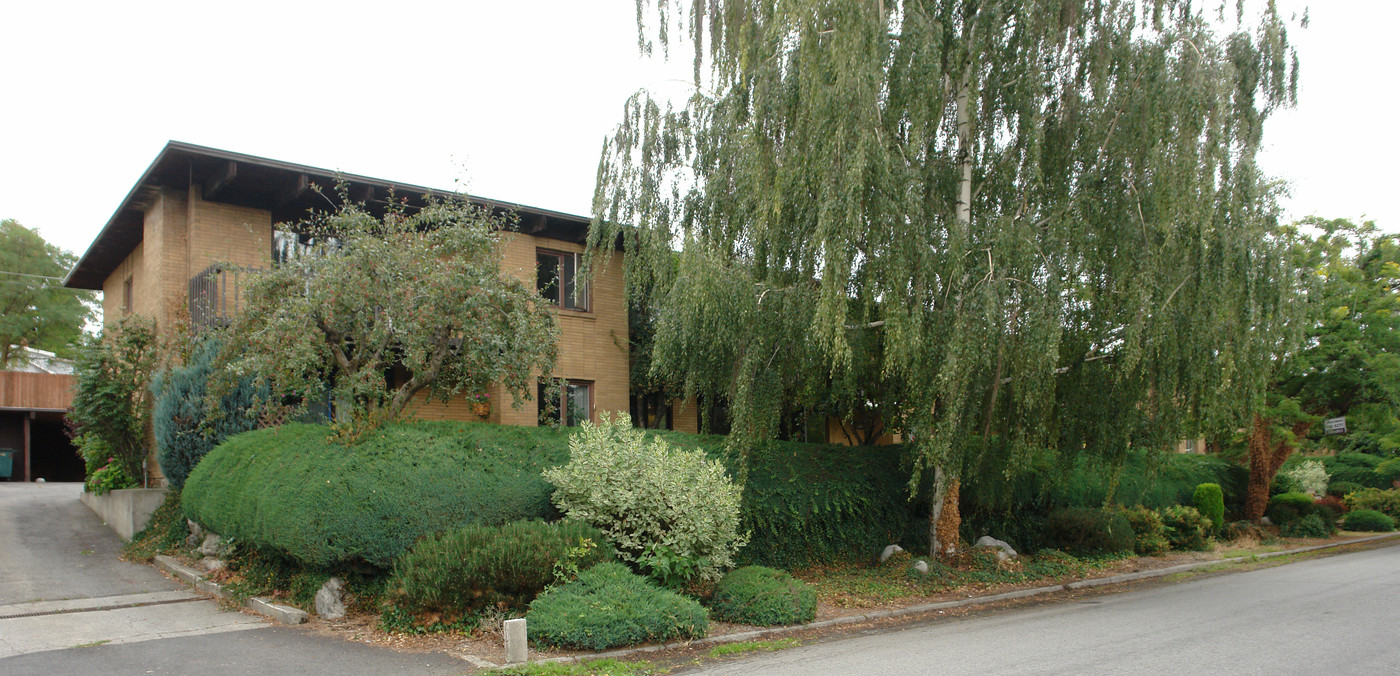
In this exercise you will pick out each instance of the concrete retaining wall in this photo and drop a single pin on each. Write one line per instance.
(126, 511)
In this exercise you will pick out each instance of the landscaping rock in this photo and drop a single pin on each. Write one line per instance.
(890, 551)
(211, 546)
(1007, 552)
(211, 564)
(921, 566)
(330, 600)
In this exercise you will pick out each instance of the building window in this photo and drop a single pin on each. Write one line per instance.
(557, 279)
(126, 296)
(574, 402)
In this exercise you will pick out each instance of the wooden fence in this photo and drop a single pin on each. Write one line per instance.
(35, 391)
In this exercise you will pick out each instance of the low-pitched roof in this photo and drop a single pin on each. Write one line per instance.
(283, 188)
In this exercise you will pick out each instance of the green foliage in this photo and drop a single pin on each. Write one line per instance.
(670, 511)
(109, 477)
(1369, 520)
(1085, 530)
(468, 569)
(1285, 508)
(1309, 526)
(293, 490)
(422, 293)
(1342, 489)
(1187, 528)
(1149, 531)
(1306, 476)
(164, 534)
(1356, 468)
(1210, 502)
(188, 421)
(608, 606)
(1384, 501)
(607, 667)
(1389, 470)
(111, 396)
(764, 597)
(36, 310)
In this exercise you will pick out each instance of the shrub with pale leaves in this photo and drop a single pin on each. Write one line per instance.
(1308, 476)
(659, 506)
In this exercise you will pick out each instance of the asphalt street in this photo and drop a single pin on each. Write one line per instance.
(1332, 615)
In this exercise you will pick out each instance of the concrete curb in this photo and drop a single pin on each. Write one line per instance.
(257, 604)
(962, 603)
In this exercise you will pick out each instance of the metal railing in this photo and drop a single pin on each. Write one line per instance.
(215, 295)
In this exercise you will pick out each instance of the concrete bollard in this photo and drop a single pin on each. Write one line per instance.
(517, 650)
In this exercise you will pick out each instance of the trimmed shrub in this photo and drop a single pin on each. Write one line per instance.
(1150, 534)
(1187, 528)
(1388, 470)
(1370, 521)
(293, 490)
(1357, 468)
(1286, 508)
(1343, 488)
(1210, 502)
(1085, 530)
(609, 606)
(1384, 501)
(473, 567)
(1309, 526)
(763, 596)
(186, 428)
(671, 512)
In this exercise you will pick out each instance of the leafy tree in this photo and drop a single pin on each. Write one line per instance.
(378, 309)
(1022, 224)
(35, 309)
(112, 395)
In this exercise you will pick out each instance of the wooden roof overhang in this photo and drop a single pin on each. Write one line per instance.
(283, 188)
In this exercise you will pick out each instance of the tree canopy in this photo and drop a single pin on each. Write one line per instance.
(1037, 224)
(35, 309)
(374, 310)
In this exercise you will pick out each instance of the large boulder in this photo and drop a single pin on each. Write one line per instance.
(1007, 552)
(330, 600)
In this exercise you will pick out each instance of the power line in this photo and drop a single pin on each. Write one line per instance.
(26, 274)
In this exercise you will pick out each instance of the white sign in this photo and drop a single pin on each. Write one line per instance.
(1335, 426)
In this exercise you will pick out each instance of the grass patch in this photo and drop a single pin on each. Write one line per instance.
(94, 644)
(592, 667)
(859, 586)
(742, 647)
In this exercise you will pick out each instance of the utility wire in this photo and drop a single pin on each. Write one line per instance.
(26, 274)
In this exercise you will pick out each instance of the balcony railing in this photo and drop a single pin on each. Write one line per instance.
(215, 295)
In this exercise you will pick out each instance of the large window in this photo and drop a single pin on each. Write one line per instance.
(557, 279)
(574, 402)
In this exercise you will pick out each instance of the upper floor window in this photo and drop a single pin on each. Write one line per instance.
(557, 279)
(126, 296)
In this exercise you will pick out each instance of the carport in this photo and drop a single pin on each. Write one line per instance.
(32, 406)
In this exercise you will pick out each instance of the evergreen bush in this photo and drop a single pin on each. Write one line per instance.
(1384, 501)
(466, 569)
(763, 596)
(1357, 468)
(1086, 530)
(1286, 508)
(1342, 488)
(1369, 520)
(1308, 526)
(1150, 534)
(609, 606)
(186, 426)
(1187, 528)
(1210, 502)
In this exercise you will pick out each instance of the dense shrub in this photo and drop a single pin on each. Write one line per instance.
(186, 426)
(1286, 508)
(466, 569)
(1357, 468)
(292, 490)
(1210, 502)
(1187, 528)
(671, 512)
(1342, 488)
(1388, 470)
(1369, 520)
(1309, 526)
(1085, 530)
(1306, 476)
(111, 398)
(165, 533)
(764, 597)
(609, 606)
(1384, 501)
(1150, 534)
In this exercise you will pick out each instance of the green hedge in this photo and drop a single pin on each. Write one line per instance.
(1210, 502)
(473, 567)
(323, 503)
(763, 596)
(609, 606)
(1369, 520)
(1085, 530)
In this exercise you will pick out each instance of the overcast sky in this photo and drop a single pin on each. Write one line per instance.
(514, 97)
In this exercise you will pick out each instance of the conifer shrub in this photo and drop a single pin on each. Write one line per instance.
(1384, 501)
(186, 425)
(1187, 528)
(1286, 508)
(1342, 489)
(763, 596)
(671, 512)
(1150, 534)
(610, 606)
(1308, 526)
(1210, 502)
(1357, 468)
(467, 569)
(1087, 530)
(1370, 521)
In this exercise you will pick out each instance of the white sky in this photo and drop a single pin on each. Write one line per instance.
(514, 96)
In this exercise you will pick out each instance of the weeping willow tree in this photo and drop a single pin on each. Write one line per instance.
(1028, 225)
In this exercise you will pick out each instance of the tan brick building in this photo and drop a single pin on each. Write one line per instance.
(177, 244)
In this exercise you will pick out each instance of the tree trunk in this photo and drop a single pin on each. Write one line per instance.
(935, 509)
(1266, 455)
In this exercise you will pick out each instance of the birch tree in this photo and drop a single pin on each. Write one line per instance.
(1031, 224)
